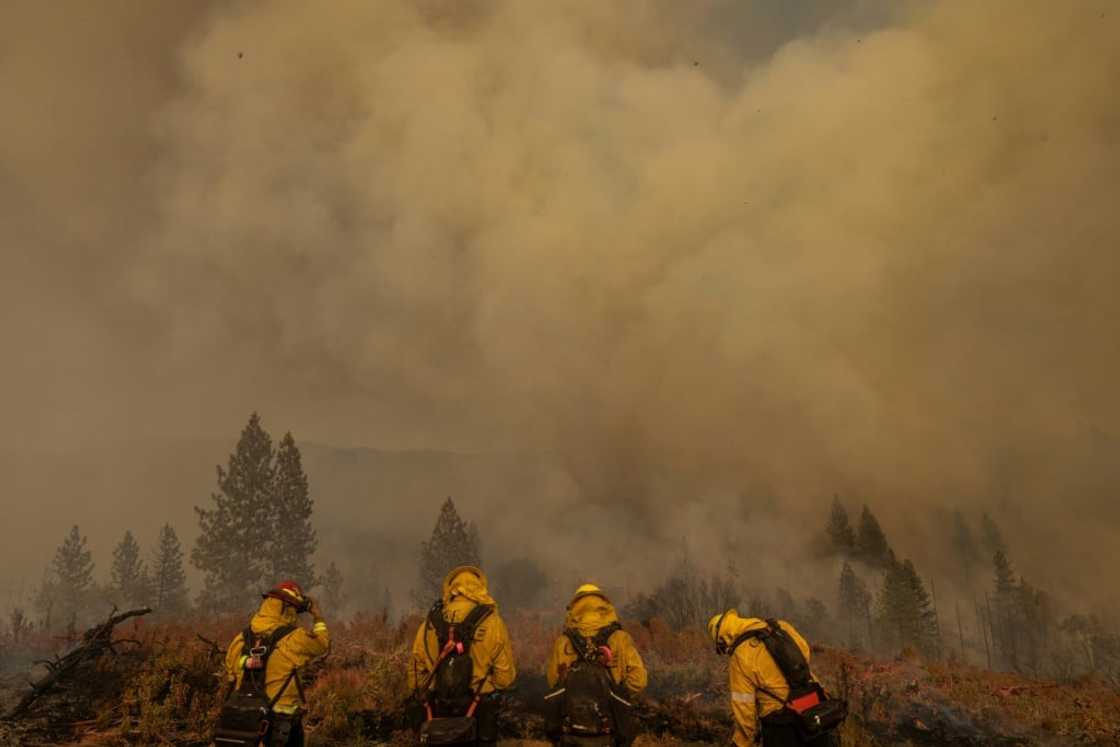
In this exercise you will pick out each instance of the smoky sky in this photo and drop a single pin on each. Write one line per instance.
(700, 253)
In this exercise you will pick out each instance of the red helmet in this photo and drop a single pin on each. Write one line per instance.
(288, 592)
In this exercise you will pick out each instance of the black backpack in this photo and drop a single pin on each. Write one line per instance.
(810, 709)
(588, 703)
(245, 716)
(451, 694)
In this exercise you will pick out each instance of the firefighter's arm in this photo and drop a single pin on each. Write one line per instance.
(503, 670)
(233, 658)
(303, 645)
(743, 704)
(634, 675)
(420, 665)
(309, 644)
(556, 660)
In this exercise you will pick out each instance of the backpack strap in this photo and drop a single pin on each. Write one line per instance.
(277, 635)
(274, 638)
(465, 630)
(761, 633)
(587, 649)
(249, 641)
(603, 637)
(441, 626)
(579, 643)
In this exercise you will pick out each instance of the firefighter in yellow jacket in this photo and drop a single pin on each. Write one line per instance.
(590, 612)
(758, 687)
(463, 628)
(593, 638)
(287, 647)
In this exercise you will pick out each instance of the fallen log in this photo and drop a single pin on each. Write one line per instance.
(95, 642)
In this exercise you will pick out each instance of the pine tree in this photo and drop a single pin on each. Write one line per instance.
(964, 546)
(1005, 625)
(1037, 621)
(169, 581)
(927, 636)
(47, 601)
(293, 539)
(853, 605)
(906, 614)
(991, 536)
(841, 536)
(871, 543)
(131, 583)
(453, 543)
(72, 572)
(332, 588)
(233, 544)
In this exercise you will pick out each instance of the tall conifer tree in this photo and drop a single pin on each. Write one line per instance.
(841, 536)
(293, 540)
(233, 545)
(169, 581)
(854, 606)
(454, 542)
(72, 577)
(871, 543)
(131, 583)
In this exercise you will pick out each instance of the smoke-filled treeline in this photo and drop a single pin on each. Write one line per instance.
(689, 269)
(257, 529)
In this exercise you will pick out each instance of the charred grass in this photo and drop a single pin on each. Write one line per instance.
(164, 687)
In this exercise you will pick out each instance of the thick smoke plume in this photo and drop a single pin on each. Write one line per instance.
(703, 255)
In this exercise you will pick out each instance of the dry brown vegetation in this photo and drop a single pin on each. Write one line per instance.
(164, 689)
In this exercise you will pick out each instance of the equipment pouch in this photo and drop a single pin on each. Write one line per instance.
(453, 730)
(240, 720)
(822, 718)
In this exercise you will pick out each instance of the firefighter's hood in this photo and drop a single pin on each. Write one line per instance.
(467, 582)
(272, 614)
(727, 627)
(590, 610)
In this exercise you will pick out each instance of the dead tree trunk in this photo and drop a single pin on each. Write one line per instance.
(95, 642)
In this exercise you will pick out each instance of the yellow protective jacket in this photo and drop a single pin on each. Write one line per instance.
(292, 652)
(492, 662)
(750, 669)
(587, 615)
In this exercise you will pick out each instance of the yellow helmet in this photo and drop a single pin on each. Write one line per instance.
(587, 590)
(714, 626)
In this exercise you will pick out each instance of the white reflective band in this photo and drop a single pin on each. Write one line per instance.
(319, 628)
(742, 697)
(623, 702)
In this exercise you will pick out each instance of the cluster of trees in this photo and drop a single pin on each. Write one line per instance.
(69, 594)
(257, 529)
(687, 597)
(1016, 627)
(902, 614)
